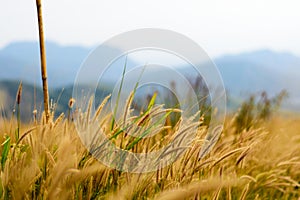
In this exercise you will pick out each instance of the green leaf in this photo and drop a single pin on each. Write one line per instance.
(6, 147)
(118, 98)
(152, 101)
(147, 131)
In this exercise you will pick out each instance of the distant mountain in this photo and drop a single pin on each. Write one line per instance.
(243, 73)
(20, 61)
(262, 70)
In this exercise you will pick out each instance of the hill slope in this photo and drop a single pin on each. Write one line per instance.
(243, 73)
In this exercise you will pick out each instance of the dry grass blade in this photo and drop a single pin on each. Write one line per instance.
(242, 156)
(175, 151)
(217, 194)
(89, 109)
(227, 155)
(210, 141)
(99, 109)
(58, 120)
(244, 193)
(196, 188)
(19, 93)
(127, 107)
(249, 178)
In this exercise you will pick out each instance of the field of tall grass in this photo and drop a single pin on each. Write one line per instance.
(260, 160)
(256, 157)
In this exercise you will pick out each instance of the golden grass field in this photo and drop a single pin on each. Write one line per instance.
(48, 161)
(254, 158)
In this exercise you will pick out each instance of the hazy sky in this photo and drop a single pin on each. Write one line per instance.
(219, 26)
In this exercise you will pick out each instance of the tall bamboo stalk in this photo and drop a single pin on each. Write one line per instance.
(43, 59)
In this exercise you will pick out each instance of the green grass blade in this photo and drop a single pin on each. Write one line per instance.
(147, 131)
(6, 147)
(119, 95)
